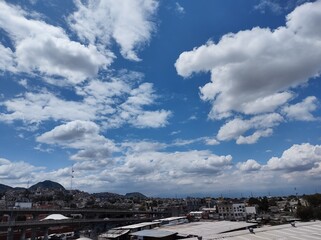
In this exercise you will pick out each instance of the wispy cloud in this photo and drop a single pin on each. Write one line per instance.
(277, 6)
(129, 23)
(179, 8)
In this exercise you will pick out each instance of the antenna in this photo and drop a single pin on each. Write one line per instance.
(71, 176)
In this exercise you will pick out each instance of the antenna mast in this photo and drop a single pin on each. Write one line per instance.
(71, 176)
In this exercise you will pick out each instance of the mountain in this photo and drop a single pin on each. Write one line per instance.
(107, 195)
(135, 195)
(4, 188)
(47, 184)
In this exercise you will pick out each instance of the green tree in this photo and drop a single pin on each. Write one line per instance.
(314, 200)
(305, 213)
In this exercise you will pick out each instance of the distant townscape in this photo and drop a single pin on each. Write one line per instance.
(47, 210)
(265, 210)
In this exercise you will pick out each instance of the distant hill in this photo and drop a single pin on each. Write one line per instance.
(19, 188)
(4, 188)
(47, 184)
(135, 195)
(107, 195)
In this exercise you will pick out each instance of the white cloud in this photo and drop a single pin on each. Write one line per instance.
(211, 141)
(152, 119)
(254, 137)
(262, 125)
(171, 166)
(70, 132)
(4, 161)
(268, 4)
(60, 57)
(233, 129)
(129, 23)
(175, 132)
(38, 107)
(47, 50)
(277, 6)
(179, 8)
(252, 70)
(113, 102)
(249, 165)
(297, 158)
(104, 91)
(16, 171)
(266, 104)
(142, 146)
(302, 111)
(83, 135)
(316, 171)
(23, 82)
(305, 20)
(150, 167)
(7, 61)
(131, 110)
(185, 142)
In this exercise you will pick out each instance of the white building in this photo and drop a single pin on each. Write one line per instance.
(234, 211)
(23, 205)
(239, 211)
(251, 211)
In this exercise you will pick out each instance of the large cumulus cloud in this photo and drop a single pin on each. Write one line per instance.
(41, 48)
(81, 135)
(252, 70)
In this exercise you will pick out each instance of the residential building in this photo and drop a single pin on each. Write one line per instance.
(231, 211)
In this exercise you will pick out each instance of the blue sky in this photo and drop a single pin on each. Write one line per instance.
(166, 97)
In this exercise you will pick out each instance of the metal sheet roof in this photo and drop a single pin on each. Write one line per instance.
(302, 230)
(153, 233)
(208, 230)
(169, 219)
(114, 233)
(139, 225)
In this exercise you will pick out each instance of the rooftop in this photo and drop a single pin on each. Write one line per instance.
(169, 219)
(114, 233)
(138, 225)
(208, 230)
(301, 230)
(153, 233)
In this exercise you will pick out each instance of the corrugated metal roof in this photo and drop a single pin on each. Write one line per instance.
(208, 230)
(138, 225)
(114, 233)
(169, 219)
(153, 233)
(302, 230)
